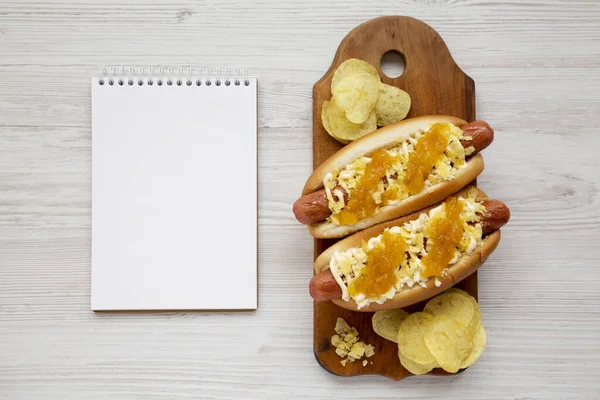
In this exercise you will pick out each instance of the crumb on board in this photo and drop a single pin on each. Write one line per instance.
(347, 344)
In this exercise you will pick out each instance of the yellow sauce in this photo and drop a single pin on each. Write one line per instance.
(443, 236)
(379, 274)
(389, 195)
(428, 150)
(361, 203)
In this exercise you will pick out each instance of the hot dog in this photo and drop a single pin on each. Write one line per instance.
(373, 179)
(353, 273)
(314, 207)
(324, 287)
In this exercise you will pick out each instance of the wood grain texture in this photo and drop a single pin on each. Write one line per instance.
(537, 68)
(436, 86)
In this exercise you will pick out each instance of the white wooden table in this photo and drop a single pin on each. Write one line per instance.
(536, 64)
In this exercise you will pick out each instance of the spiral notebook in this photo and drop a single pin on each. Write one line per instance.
(174, 189)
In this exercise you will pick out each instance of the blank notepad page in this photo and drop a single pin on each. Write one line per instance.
(174, 194)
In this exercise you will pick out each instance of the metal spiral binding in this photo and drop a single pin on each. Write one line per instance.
(171, 76)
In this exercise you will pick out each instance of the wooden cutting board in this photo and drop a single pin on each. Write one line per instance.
(436, 86)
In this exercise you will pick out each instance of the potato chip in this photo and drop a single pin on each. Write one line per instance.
(472, 329)
(325, 118)
(458, 291)
(479, 341)
(349, 67)
(476, 321)
(467, 295)
(342, 327)
(415, 368)
(356, 95)
(393, 104)
(411, 335)
(386, 323)
(447, 343)
(464, 294)
(338, 126)
(455, 306)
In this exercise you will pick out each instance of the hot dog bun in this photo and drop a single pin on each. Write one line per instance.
(457, 272)
(381, 138)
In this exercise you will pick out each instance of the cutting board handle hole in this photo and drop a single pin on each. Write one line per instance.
(392, 64)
